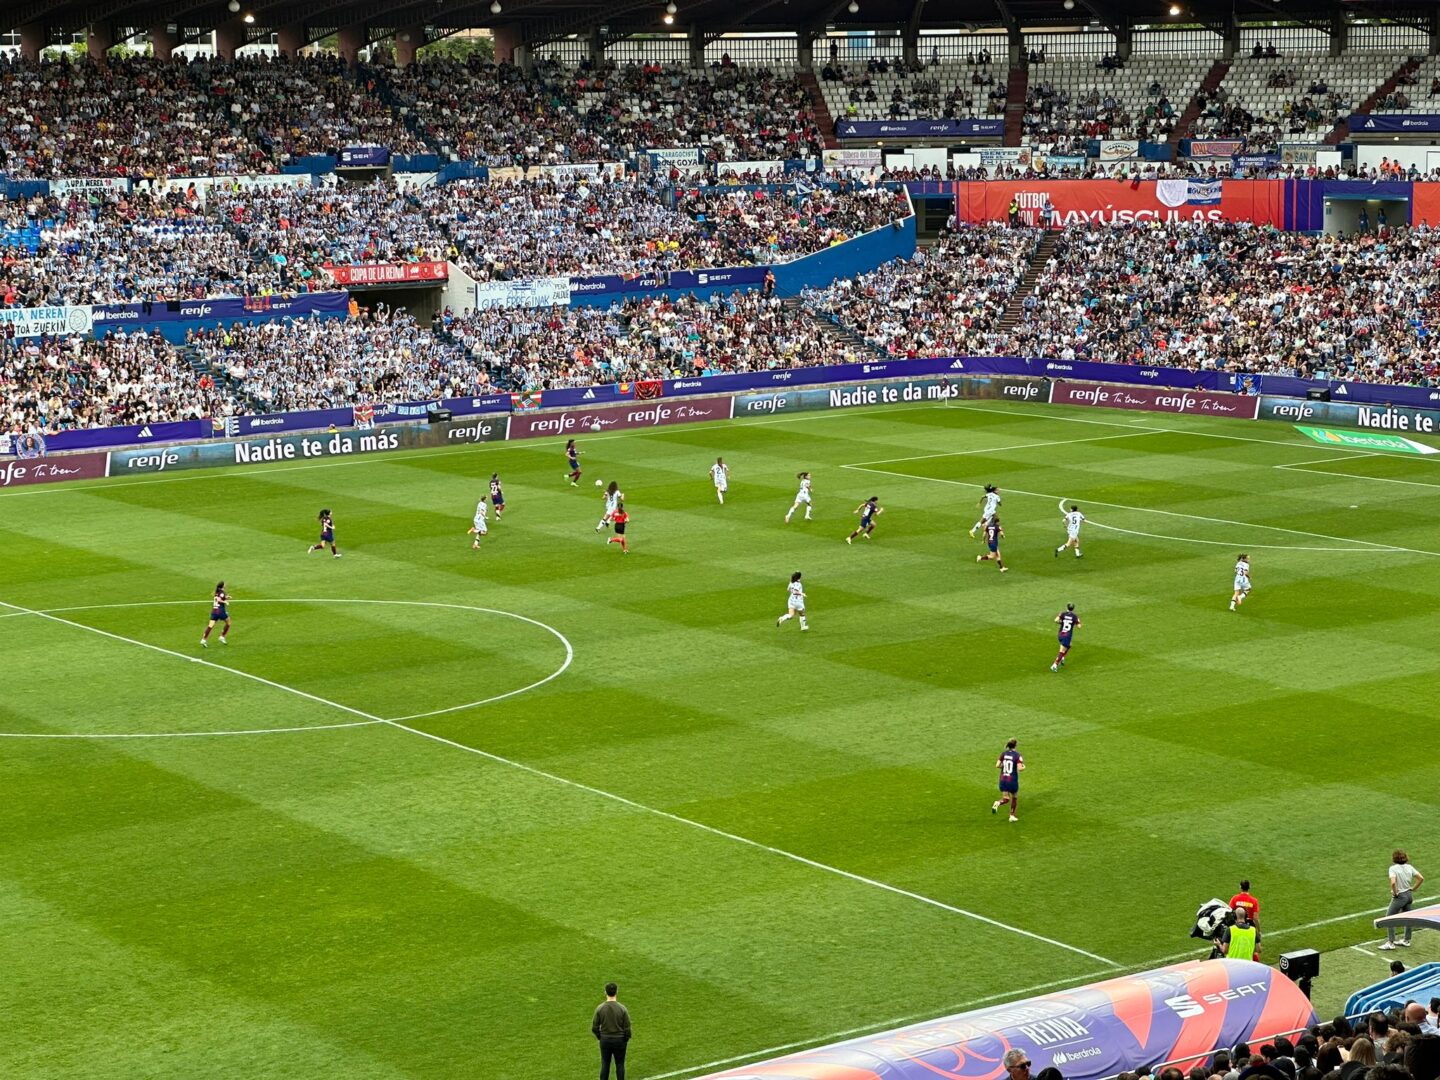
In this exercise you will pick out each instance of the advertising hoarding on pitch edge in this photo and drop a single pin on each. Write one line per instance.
(1349, 414)
(51, 470)
(1155, 399)
(892, 392)
(661, 413)
(307, 447)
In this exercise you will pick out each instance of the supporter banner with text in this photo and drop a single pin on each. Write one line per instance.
(1118, 149)
(918, 129)
(52, 470)
(1349, 414)
(1110, 201)
(721, 277)
(527, 293)
(80, 185)
(389, 273)
(1152, 399)
(532, 425)
(1394, 124)
(689, 155)
(871, 158)
(59, 321)
(1216, 148)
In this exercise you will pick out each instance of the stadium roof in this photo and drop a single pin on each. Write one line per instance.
(549, 20)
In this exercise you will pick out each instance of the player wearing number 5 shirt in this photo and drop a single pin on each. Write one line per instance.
(1011, 765)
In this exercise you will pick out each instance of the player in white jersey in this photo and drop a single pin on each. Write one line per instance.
(613, 498)
(988, 507)
(1073, 520)
(794, 603)
(1242, 581)
(720, 473)
(479, 528)
(802, 497)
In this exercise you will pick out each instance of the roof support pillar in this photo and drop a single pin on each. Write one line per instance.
(291, 38)
(349, 41)
(98, 39)
(33, 39)
(162, 41)
(229, 37)
(407, 40)
(1339, 32)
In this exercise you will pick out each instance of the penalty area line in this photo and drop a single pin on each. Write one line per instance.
(369, 719)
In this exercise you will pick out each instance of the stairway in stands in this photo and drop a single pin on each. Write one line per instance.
(823, 120)
(1016, 87)
(1206, 90)
(1342, 129)
(1028, 284)
(832, 330)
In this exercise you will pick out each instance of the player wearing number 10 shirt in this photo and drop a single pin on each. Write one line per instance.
(1011, 765)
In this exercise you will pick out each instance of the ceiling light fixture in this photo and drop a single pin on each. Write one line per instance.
(249, 18)
(234, 6)
(668, 19)
(1069, 5)
(495, 7)
(1174, 9)
(853, 8)
(671, 8)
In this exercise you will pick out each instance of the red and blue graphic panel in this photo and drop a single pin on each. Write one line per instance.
(1180, 1013)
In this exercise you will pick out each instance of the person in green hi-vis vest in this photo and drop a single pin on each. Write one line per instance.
(1241, 941)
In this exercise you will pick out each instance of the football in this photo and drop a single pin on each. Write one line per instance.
(599, 483)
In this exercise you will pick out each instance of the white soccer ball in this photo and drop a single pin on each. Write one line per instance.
(599, 483)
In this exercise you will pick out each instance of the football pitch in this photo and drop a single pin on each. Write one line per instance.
(428, 800)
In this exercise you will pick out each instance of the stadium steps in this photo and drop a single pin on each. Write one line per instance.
(823, 119)
(831, 329)
(1206, 90)
(1017, 85)
(1342, 129)
(1028, 284)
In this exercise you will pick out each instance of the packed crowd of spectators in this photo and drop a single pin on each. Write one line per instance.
(943, 302)
(1241, 297)
(100, 248)
(500, 116)
(52, 384)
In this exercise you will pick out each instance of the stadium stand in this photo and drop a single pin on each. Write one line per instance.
(941, 90)
(1079, 99)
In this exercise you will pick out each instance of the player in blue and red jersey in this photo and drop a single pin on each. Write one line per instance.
(1011, 765)
(993, 535)
(219, 612)
(1069, 623)
(572, 455)
(327, 535)
(497, 496)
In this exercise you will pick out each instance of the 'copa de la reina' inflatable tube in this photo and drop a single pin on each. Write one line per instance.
(1088, 1033)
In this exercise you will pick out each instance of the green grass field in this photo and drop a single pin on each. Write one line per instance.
(767, 837)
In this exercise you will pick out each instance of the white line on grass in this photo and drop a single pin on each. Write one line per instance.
(862, 879)
(1008, 995)
(899, 1021)
(1232, 543)
(399, 725)
(412, 455)
(1000, 449)
(1320, 461)
(48, 612)
(1367, 545)
(1352, 476)
(1358, 949)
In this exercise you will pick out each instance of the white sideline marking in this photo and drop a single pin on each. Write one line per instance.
(369, 719)
(399, 725)
(1008, 995)
(1367, 952)
(1369, 545)
(899, 1021)
(1319, 461)
(1352, 476)
(1231, 543)
(1000, 449)
(752, 843)
(227, 473)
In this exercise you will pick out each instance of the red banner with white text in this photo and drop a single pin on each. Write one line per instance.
(1110, 201)
(389, 273)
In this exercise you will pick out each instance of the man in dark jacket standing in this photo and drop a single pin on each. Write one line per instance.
(611, 1027)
